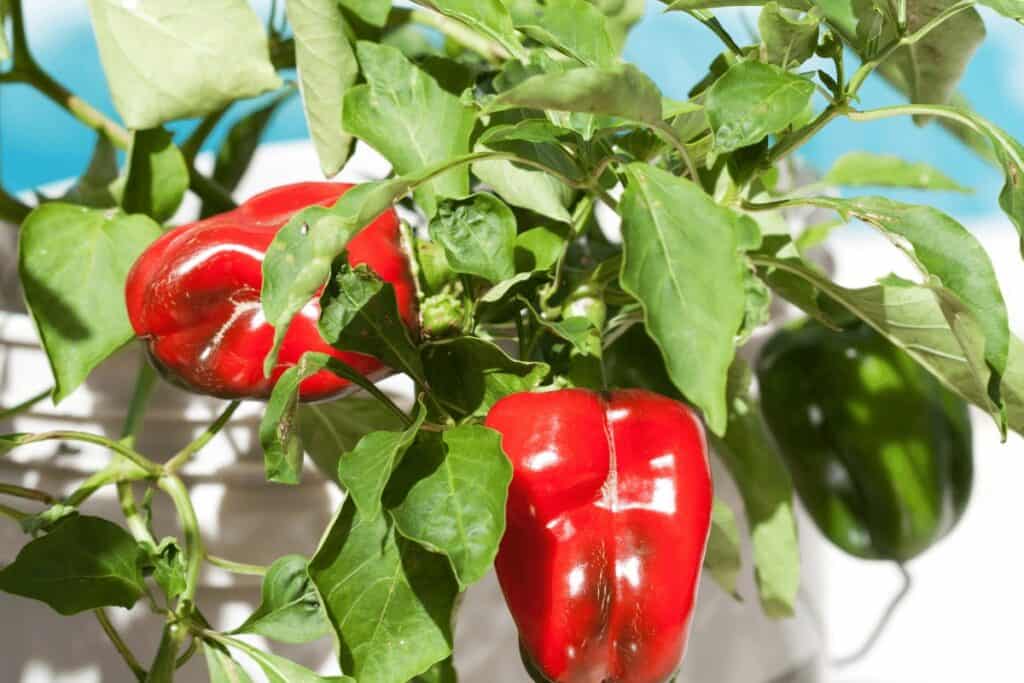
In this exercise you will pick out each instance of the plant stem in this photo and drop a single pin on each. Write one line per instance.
(120, 645)
(665, 131)
(145, 382)
(26, 493)
(193, 644)
(797, 139)
(883, 622)
(15, 514)
(151, 468)
(489, 49)
(708, 19)
(186, 453)
(237, 567)
(194, 553)
(25, 405)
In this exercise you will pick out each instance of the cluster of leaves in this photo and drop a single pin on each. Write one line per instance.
(508, 123)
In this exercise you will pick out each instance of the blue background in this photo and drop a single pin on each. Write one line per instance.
(40, 143)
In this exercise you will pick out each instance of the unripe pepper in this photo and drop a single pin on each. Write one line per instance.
(879, 450)
(194, 297)
(607, 521)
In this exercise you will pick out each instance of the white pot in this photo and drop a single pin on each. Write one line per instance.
(246, 519)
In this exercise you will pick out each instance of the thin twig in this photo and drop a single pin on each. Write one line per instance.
(25, 405)
(881, 625)
(186, 453)
(120, 645)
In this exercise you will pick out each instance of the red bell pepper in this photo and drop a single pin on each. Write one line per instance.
(194, 296)
(608, 518)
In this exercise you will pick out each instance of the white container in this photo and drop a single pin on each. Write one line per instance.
(246, 519)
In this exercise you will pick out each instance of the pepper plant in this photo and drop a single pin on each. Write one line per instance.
(510, 125)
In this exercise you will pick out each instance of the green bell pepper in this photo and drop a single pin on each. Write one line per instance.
(880, 452)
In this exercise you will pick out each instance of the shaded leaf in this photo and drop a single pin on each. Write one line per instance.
(456, 487)
(576, 28)
(749, 452)
(470, 375)
(329, 429)
(722, 558)
(364, 471)
(156, 175)
(478, 234)
(389, 600)
(83, 563)
(289, 609)
(73, 263)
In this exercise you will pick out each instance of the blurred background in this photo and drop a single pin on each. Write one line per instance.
(961, 623)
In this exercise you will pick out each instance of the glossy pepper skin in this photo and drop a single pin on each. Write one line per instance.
(607, 522)
(194, 297)
(880, 452)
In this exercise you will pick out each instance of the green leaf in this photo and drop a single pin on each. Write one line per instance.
(329, 429)
(490, 17)
(931, 68)
(364, 470)
(158, 57)
(687, 5)
(722, 557)
(404, 114)
(373, 12)
(289, 609)
(279, 435)
(538, 249)
(948, 254)
(927, 71)
(359, 313)
(1014, 9)
(526, 187)
(94, 187)
(753, 460)
(168, 565)
(859, 169)
(239, 146)
(221, 666)
(575, 28)
(442, 672)
(788, 40)
(753, 100)
(913, 317)
(84, 563)
(682, 263)
(478, 234)
(73, 263)
(279, 669)
(327, 69)
(622, 91)
(469, 374)
(156, 175)
(389, 600)
(454, 502)
(5, 48)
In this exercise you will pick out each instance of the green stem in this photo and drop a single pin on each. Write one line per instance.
(193, 645)
(25, 405)
(186, 453)
(145, 382)
(708, 19)
(151, 468)
(881, 625)
(120, 645)
(489, 49)
(797, 139)
(237, 567)
(26, 493)
(666, 132)
(117, 472)
(13, 513)
(194, 553)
